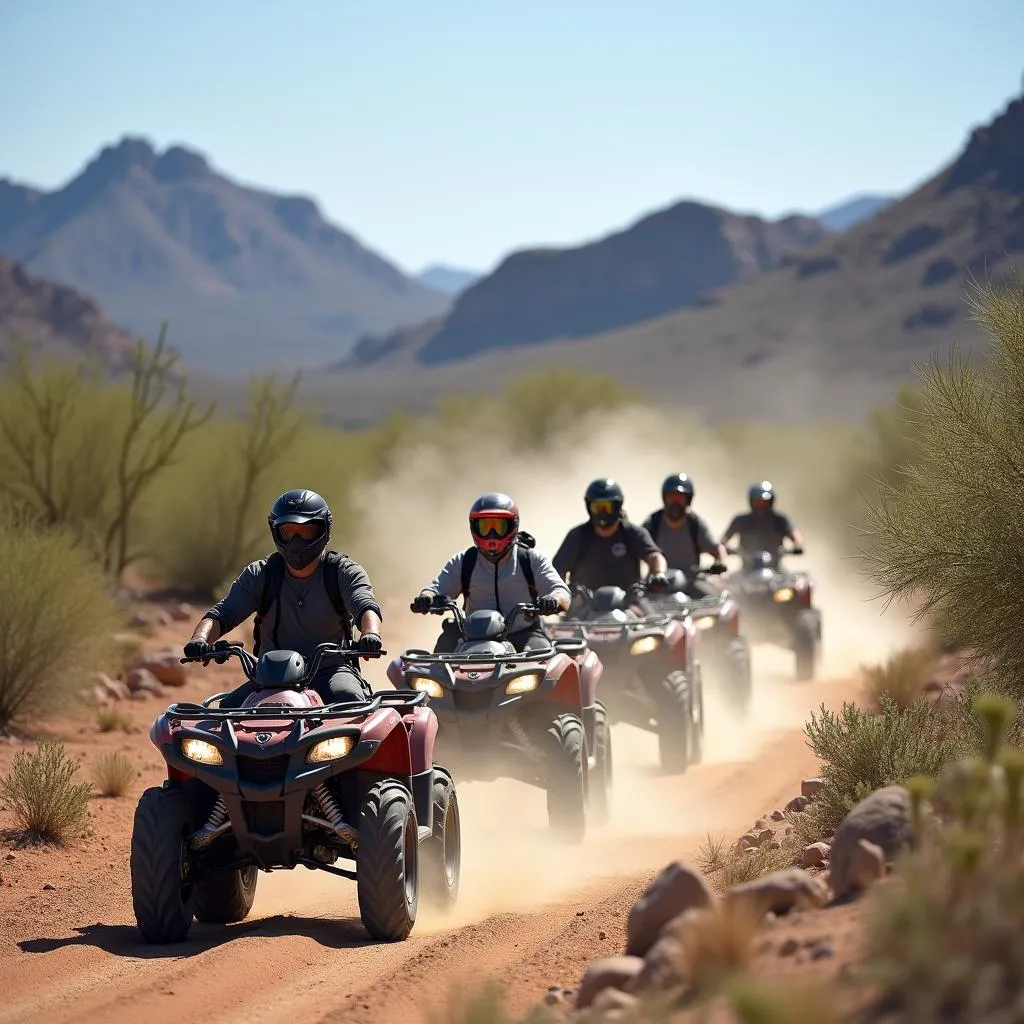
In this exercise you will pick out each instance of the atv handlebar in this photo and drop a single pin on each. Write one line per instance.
(444, 605)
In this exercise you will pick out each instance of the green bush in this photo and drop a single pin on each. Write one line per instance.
(950, 535)
(43, 795)
(56, 618)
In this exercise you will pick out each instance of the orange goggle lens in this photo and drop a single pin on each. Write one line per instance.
(306, 531)
(602, 507)
(488, 525)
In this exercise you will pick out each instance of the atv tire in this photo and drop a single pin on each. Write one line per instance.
(602, 776)
(162, 900)
(675, 723)
(441, 864)
(807, 645)
(566, 758)
(387, 862)
(225, 899)
(739, 679)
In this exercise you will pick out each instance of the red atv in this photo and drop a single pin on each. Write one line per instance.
(532, 716)
(285, 780)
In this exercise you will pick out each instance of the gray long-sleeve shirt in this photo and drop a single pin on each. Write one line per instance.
(307, 616)
(499, 587)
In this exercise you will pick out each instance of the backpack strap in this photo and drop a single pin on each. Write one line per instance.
(272, 578)
(469, 558)
(332, 562)
(655, 522)
(526, 568)
(694, 527)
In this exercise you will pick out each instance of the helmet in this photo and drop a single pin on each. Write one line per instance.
(494, 524)
(604, 499)
(676, 494)
(300, 523)
(761, 495)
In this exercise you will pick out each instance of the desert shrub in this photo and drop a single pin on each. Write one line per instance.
(901, 676)
(950, 535)
(113, 773)
(110, 718)
(755, 1001)
(862, 751)
(726, 865)
(42, 793)
(56, 618)
(945, 942)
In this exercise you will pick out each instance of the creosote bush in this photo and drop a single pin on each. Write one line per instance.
(901, 676)
(113, 774)
(726, 865)
(43, 795)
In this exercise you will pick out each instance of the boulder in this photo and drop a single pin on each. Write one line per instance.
(108, 690)
(165, 665)
(797, 804)
(862, 867)
(883, 819)
(611, 972)
(678, 888)
(810, 788)
(613, 1004)
(815, 855)
(779, 892)
(142, 682)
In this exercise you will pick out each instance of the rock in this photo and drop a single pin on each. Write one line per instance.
(773, 845)
(815, 855)
(49, 888)
(810, 788)
(165, 665)
(789, 947)
(882, 818)
(766, 835)
(611, 972)
(746, 842)
(822, 951)
(760, 824)
(141, 681)
(602, 935)
(183, 613)
(554, 995)
(780, 892)
(111, 689)
(862, 866)
(678, 888)
(614, 1004)
(778, 815)
(797, 804)
(663, 964)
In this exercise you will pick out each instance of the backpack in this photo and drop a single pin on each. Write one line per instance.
(273, 577)
(691, 525)
(470, 556)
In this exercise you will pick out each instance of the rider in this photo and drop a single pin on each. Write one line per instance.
(683, 535)
(510, 572)
(762, 528)
(306, 594)
(607, 550)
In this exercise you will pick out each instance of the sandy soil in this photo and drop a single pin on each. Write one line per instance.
(531, 914)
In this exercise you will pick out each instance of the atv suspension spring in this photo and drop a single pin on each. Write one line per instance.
(332, 816)
(517, 730)
(216, 824)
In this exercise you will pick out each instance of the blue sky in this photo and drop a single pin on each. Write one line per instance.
(459, 131)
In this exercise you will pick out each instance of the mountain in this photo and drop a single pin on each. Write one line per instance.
(55, 320)
(830, 331)
(445, 279)
(668, 260)
(247, 278)
(842, 216)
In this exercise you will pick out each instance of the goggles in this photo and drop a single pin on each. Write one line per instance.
(304, 531)
(491, 526)
(603, 508)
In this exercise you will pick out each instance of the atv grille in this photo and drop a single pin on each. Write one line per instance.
(262, 770)
(472, 700)
(265, 818)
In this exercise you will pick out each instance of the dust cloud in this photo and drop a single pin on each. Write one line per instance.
(417, 518)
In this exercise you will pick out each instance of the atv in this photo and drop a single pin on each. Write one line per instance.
(652, 671)
(778, 607)
(532, 716)
(724, 650)
(284, 780)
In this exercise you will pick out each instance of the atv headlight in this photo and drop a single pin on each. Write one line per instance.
(645, 645)
(200, 751)
(705, 622)
(524, 684)
(431, 687)
(782, 595)
(330, 750)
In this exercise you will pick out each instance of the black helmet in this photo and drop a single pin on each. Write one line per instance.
(676, 494)
(299, 547)
(494, 524)
(677, 483)
(761, 495)
(604, 499)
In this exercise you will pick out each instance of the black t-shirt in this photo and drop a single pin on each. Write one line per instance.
(760, 531)
(595, 561)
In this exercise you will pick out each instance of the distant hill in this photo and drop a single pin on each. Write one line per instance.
(57, 321)
(445, 279)
(842, 216)
(671, 259)
(832, 329)
(248, 279)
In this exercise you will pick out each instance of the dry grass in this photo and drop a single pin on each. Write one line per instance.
(110, 719)
(43, 795)
(901, 677)
(113, 774)
(715, 944)
(726, 865)
(754, 1001)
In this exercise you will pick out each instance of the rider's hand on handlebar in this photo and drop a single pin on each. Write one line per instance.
(369, 643)
(717, 568)
(657, 581)
(422, 603)
(797, 550)
(548, 604)
(197, 647)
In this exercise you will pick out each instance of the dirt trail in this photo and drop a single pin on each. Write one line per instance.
(530, 914)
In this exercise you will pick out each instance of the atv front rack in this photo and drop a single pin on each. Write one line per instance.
(657, 621)
(418, 657)
(190, 712)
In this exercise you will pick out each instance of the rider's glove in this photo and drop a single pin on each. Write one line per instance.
(369, 643)
(547, 605)
(196, 648)
(422, 602)
(657, 581)
(717, 568)
(798, 550)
